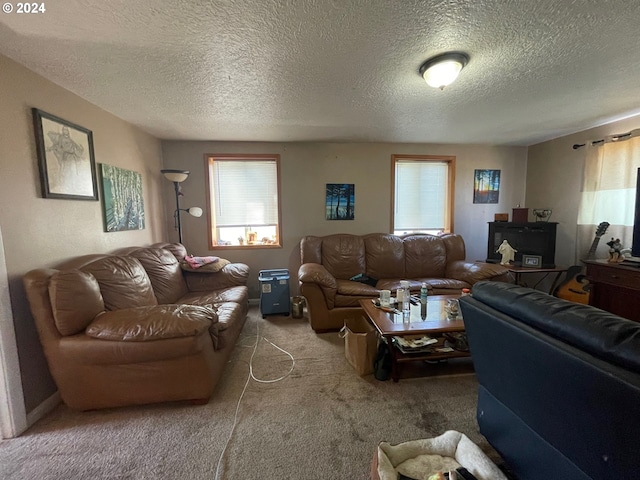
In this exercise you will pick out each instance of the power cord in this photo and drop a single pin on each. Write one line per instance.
(249, 377)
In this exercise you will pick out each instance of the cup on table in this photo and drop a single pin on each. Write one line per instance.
(385, 298)
(452, 308)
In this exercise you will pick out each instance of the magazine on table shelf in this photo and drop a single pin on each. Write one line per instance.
(414, 343)
(421, 344)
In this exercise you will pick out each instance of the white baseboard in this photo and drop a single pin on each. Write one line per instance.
(43, 409)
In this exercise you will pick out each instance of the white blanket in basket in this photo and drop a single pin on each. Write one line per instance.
(420, 459)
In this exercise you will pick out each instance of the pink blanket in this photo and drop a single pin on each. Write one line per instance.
(196, 262)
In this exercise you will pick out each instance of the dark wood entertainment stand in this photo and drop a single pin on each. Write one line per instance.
(530, 238)
(615, 288)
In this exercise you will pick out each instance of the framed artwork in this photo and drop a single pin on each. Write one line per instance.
(532, 261)
(340, 202)
(65, 158)
(122, 200)
(486, 186)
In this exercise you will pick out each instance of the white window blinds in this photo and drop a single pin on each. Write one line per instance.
(245, 192)
(421, 195)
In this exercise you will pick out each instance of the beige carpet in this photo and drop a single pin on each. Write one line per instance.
(321, 422)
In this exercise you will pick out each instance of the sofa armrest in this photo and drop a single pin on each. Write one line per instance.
(232, 275)
(472, 272)
(315, 273)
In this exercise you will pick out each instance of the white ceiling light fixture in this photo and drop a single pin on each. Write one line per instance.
(442, 70)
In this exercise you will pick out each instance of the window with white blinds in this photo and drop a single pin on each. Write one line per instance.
(423, 194)
(244, 200)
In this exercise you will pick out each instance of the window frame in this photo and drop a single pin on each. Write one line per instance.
(210, 159)
(450, 160)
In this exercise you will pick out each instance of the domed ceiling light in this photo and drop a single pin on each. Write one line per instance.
(442, 70)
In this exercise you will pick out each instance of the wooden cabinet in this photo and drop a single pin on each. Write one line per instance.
(615, 288)
(530, 238)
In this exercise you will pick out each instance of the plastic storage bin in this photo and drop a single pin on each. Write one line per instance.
(274, 292)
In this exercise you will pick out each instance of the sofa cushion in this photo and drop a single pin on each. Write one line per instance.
(454, 245)
(347, 287)
(75, 300)
(311, 249)
(164, 272)
(444, 284)
(124, 283)
(425, 256)
(177, 249)
(343, 255)
(142, 324)
(231, 294)
(384, 256)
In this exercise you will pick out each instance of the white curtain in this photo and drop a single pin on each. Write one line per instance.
(608, 195)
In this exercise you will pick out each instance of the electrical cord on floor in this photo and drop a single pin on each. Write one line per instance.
(249, 377)
(293, 363)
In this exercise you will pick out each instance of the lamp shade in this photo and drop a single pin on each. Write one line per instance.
(175, 175)
(195, 211)
(442, 70)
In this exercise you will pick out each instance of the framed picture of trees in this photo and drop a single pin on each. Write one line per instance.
(486, 186)
(340, 203)
(121, 199)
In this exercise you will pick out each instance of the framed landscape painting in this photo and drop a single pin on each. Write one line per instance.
(122, 200)
(486, 186)
(65, 158)
(340, 201)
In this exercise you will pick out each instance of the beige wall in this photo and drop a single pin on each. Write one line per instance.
(305, 170)
(554, 180)
(40, 232)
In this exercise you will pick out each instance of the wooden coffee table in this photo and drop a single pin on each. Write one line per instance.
(391, 325)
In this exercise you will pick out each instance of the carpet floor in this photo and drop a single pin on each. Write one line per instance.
(322, 421)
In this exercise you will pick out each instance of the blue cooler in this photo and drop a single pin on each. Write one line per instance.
(274, 292)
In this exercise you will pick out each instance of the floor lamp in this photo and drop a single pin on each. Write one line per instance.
(177, 177)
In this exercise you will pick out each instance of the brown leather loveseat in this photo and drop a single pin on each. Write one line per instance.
(339, 270)
(134, 328)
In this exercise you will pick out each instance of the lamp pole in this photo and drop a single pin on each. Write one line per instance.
(177, 214)
(177, 177)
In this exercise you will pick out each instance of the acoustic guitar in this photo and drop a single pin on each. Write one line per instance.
(576, 287)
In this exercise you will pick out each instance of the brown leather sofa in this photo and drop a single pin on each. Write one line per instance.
(133, 327)
(339, 270)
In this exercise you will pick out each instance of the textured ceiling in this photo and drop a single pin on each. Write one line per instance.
(339, 70)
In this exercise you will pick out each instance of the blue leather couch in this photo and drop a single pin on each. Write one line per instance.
(559, 394)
